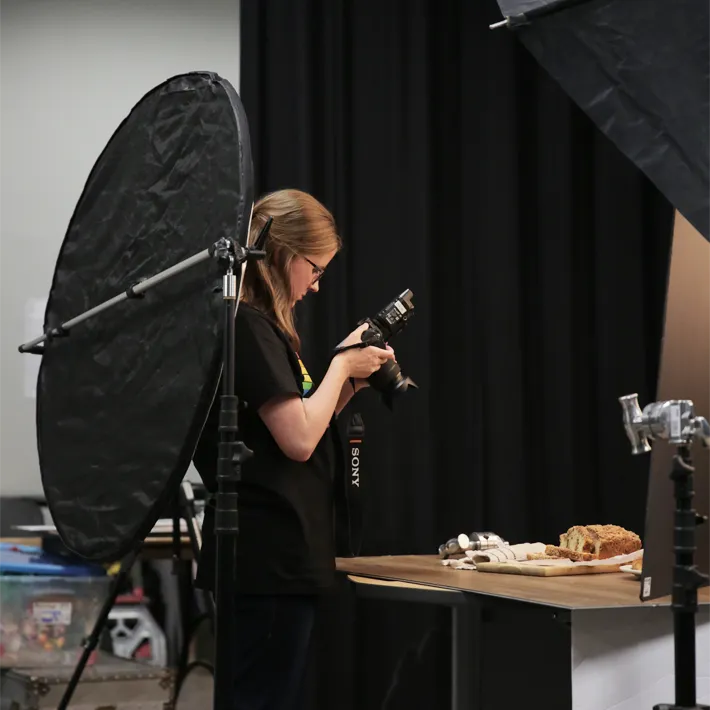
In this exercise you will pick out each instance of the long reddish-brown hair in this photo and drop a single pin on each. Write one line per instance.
(301, 226)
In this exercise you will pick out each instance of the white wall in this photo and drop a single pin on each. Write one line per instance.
(70, 71)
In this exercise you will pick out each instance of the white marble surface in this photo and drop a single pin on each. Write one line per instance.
(622, 659)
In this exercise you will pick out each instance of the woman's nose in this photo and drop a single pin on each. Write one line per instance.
(314, 287)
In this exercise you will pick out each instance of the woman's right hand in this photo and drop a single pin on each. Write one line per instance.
(360, 363)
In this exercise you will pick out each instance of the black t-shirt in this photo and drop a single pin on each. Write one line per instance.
(286, 538)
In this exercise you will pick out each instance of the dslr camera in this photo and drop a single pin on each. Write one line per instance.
(389, 380)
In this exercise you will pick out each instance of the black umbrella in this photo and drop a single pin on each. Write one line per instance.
(639, 69)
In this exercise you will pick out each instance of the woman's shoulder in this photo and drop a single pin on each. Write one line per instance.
(259, 339)
(246, 311)
(256, 320)
(251, 314)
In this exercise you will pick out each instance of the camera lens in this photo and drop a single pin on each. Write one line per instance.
(390, 382)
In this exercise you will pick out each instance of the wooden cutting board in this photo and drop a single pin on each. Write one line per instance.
(551, 568)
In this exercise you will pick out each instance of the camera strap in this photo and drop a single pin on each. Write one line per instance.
(369, 337)
(354, 346)
(349, 491)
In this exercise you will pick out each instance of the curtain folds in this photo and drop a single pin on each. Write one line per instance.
(537, 254)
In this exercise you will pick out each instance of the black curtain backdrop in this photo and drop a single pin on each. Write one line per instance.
(537, 254)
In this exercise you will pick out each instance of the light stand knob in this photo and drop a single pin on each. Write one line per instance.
(632, 419)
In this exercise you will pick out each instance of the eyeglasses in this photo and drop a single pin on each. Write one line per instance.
(317, 270)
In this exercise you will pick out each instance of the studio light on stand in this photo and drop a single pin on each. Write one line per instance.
(675, 420)
(123, 399)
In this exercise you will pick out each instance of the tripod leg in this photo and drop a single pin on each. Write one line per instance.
(203, 600)
(194, 532)
(92, 641)
(177, 542)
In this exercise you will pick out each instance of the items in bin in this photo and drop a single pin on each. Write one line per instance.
(48, 607)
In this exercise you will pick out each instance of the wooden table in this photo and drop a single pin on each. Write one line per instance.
(585, 642)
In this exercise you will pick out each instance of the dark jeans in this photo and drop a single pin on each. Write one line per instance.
(270, 650)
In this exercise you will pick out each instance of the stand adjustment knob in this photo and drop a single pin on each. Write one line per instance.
(241, 452)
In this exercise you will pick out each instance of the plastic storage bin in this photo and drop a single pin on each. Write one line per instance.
(47, 607)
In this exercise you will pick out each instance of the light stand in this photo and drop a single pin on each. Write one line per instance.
(232, 453)
(686, 580)
(675, 421)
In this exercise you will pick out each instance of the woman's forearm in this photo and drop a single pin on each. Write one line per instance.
(323, 403)
(298, 424)
(346, 394)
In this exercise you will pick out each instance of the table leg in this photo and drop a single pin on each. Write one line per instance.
(465, 630)
(465, 667)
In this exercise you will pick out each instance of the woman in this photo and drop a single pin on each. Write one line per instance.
(286, 553)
